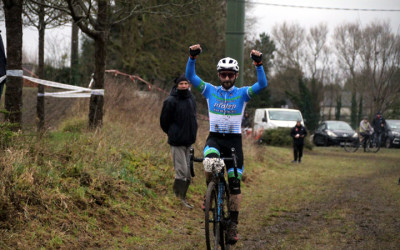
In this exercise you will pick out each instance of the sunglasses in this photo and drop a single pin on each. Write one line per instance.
(230, 75)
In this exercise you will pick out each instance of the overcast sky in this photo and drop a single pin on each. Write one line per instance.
(269, 15)
(265, 17)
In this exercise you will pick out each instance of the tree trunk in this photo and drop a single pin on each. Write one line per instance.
(75, 54)
(353, 115)
(360, 110)
(40, 97)
(338, 107)
(97, 101)
(13, 95)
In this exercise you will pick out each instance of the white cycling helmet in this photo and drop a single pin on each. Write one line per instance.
(228, 63)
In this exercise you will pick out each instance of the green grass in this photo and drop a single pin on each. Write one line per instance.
(112, 188)
(290, 189)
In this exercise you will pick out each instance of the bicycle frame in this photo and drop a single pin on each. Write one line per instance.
(221, 187)
(220, 201)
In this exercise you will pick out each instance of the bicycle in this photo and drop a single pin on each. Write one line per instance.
(217, 213)
(372, 144)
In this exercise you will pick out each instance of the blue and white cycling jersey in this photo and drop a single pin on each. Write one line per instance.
(225, 106)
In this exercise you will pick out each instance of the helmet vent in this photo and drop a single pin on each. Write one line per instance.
(228, 63)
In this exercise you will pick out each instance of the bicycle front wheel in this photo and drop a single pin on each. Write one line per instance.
(212, 225)
(373, 145)
(351, 145)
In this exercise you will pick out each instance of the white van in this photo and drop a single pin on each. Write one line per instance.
(272, 118)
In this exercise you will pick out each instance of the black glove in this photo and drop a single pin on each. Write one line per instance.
(194, 53)
(257, 59)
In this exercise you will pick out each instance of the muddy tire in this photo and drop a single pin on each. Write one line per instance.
(212, 226)
(214, 229)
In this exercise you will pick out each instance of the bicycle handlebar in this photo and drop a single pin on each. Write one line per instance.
(196, 159)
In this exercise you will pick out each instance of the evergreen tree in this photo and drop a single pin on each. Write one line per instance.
(267, 47)
(360, 110)
(303, 100)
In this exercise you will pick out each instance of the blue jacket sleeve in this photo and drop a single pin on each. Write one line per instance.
(191, 73)
(261, 80)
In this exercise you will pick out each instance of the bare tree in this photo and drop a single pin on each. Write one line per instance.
(74, 73)
(317, 51)
(380, 58)
(289, 40)
(302, 55)
(42, 17)
(13, 95)
(95, 18)
(347, 41)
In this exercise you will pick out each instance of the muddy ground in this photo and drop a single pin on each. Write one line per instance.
(356, 213)
(371, 222)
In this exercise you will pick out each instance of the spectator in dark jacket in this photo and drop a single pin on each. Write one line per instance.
(378, 123)
(298, 133)
(178, 121)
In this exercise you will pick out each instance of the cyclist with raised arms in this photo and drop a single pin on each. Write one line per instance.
(226, 105)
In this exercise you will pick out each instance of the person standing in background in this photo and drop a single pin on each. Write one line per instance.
(366, 131)
(379, 125)
(178, 121)
(298, 133)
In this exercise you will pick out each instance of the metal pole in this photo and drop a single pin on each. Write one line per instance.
(234, 45)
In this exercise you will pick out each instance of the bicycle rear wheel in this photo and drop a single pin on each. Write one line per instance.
(373, 145)
(212, 225)
(351, 145)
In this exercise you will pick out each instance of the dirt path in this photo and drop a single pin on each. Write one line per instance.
(357, 214)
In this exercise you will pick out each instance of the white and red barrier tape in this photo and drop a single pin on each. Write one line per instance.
(75, 91)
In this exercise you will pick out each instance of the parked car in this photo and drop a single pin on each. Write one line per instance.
(391, 137)
(273, 118)
(333, 133)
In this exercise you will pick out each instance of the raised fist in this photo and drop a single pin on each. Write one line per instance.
(194, 50)
(256, 56)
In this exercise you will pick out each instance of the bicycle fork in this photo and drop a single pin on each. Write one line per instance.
(220, 201)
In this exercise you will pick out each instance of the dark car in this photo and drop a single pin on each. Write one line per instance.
(391, 137)
(333, 133)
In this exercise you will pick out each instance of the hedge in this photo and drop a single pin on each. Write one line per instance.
(281, 137)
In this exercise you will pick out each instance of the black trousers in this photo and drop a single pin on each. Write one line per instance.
(298, 151)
